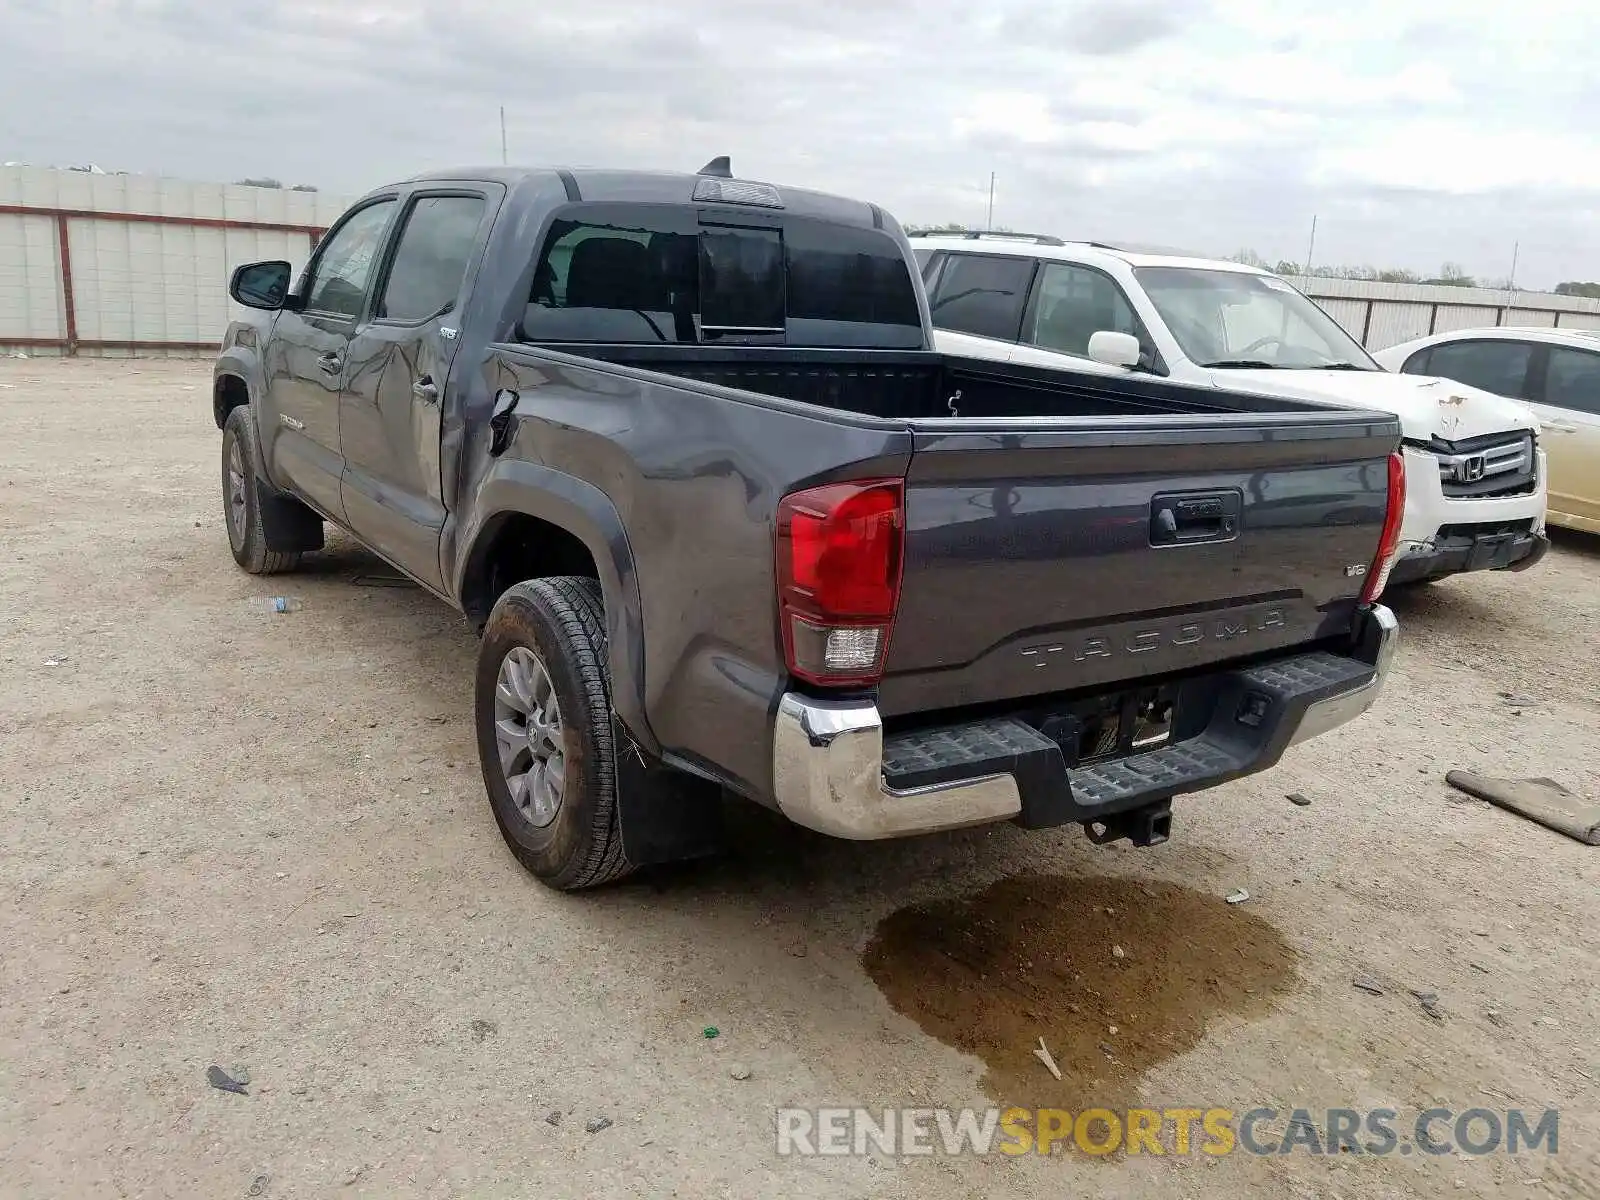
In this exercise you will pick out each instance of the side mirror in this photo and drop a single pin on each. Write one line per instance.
(260, 285)
(1115, 349)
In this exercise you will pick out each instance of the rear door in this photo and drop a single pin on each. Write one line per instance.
(398, 367)
(1045, 556)
(1568, 404)
(305, 358)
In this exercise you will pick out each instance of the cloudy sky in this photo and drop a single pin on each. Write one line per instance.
(1418, 131)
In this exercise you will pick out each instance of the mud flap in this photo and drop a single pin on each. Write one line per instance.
(288, 526)
(664, 815)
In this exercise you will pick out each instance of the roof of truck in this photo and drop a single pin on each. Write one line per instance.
(660, 187)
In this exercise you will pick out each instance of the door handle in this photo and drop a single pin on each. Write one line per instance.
(1187, 518)
(330, 364)
(426, 390)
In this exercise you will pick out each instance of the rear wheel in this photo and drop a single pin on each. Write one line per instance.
(241, 500)
(542, 701)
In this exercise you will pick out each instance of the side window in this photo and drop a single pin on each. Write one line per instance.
(1074, 304)
(982, 294)
(1417, 364)
(1493, 366)
(1573, 380)
(345, 264)
(431, 261)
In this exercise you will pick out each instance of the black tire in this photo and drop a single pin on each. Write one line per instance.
(562, 621)
(242, 515)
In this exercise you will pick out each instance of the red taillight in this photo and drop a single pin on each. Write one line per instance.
(1393, 515)
(839, 558)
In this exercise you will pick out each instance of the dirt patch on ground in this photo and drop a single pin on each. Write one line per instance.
(1116, 975)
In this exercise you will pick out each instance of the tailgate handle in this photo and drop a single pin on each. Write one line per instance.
(1188, 518)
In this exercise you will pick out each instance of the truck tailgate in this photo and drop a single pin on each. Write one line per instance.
(1044, 556)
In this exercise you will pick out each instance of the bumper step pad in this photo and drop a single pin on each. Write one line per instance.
(1255, 713)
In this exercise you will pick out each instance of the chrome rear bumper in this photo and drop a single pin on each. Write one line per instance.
(828, 756)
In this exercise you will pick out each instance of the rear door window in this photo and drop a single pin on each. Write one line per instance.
(621, 273)
(1494, 366)
(430, 263)
(982, 294)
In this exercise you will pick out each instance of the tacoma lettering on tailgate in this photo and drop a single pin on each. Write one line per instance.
(1143, 641)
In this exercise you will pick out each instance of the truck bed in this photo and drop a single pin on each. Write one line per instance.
(916, 385)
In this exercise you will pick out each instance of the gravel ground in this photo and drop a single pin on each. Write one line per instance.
(258, 840)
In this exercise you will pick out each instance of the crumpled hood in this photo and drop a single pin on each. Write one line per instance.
(1428, 407)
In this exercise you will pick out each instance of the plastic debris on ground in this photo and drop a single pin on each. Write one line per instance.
(223, 1082)
(1042, 1053)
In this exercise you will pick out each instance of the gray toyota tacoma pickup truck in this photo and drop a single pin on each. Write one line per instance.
(679, 446)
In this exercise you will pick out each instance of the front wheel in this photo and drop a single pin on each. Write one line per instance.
(542, 706)
(241, 500)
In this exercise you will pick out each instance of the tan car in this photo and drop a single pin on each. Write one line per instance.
(1557, 371)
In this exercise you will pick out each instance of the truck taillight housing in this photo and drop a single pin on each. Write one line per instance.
(840, 551)
(1389, 544)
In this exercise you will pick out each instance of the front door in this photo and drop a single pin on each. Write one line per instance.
(397, 369)
(1568, 405)
(305, 362)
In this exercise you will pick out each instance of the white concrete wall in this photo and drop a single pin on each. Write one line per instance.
(1391, 313)
(30, 279)
(138, 281)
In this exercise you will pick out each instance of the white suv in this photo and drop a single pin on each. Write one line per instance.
(1475, 472)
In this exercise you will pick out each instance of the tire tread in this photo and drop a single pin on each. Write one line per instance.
(254, 556)
(573, 605)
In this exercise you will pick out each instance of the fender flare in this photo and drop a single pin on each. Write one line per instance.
(583, 510)
(235, 363)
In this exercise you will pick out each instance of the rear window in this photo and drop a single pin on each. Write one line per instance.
(613, 273)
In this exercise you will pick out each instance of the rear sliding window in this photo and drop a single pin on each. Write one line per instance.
(625, 273)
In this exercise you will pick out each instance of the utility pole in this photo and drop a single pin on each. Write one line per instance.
(990, 223)
(1504, 315)
(503, 159)
(1305, 274)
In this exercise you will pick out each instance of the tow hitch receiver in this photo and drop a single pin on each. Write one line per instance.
(1147, 826)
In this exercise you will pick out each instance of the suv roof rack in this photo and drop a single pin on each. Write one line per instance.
(1043, 239)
